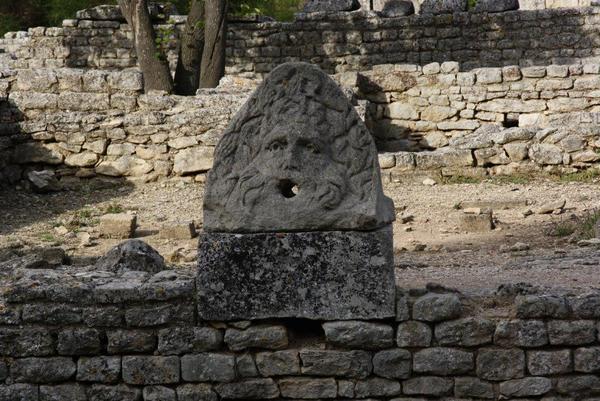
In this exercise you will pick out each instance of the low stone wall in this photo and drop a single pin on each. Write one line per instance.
(337, 42)
(88, 122)
(488, 121)
(93, 335)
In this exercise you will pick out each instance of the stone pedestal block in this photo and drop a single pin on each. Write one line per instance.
(335, 275)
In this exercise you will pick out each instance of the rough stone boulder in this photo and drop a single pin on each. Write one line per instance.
(44, 181)
(296, 157)
(132, 255)
(496, 6)
(394, 8)
(443, 6)
(331, 5)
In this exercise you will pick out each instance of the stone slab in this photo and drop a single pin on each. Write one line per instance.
(334, 275)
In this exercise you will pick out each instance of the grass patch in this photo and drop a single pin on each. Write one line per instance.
(516, 179)
(460, 179)
(49, 237)
(589, 175)
(114, 208)
(581, 227)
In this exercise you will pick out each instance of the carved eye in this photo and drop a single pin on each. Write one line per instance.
(276, 146)
(312, 148)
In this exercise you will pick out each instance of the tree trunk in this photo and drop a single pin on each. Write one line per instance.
(213, 56)
(187, 75)
(152, 62)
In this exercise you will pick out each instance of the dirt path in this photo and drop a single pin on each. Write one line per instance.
(431, 216)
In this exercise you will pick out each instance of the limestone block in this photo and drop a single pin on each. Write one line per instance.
(347, 364)
(38, 153)
(311, 388)
(437, 307)
(328, 275)
(99, 369)
(546, 363)
(118, 225)
(42, 370)
(71, 392)
(208, 367)
(376, 387)
(249, 389)
(443, 361)
(84, 159)
(159, 393)
(196, 392)
(521, 333)
(500, 363)
(178, 230)
(529, 386)
(143, 370)
(467, 332)
(544, 153)
(392, 364)
(279, 363)
(121, 392)
(428, 385)
(443, 6)
(481, 222)
(413, 334)
(331, 5)
(193, 160)
(471, 387)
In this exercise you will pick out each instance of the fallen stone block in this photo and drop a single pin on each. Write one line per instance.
(476, 222)
(120, 225)
(179, 230)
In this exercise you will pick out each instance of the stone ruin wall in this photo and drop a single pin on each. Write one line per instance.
(94, 119)
(102, 337)
(88, 122)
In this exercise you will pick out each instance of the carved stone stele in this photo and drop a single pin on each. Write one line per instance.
(296, 157)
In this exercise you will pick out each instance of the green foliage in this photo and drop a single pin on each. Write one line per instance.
(460, 179)
(472, 3)
(281, 10)
(114, 208)
(589, 175)
(22, 14)
(581, 227)
(164, 36)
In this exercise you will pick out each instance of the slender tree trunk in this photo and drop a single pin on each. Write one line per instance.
(153, 64)
(187, 75)
(213, 56)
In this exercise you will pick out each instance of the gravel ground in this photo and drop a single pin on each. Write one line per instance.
(430, 245)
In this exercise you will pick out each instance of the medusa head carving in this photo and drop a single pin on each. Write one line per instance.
(296, 157)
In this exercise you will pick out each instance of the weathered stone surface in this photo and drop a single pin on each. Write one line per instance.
(19, 392)
(80, 341)
(376, 387)
(467, 332)
(42, 370)
(474, 223)
(496, 6)
(150, 369)
(182, 230)
(274, 170)
(472, 387)
(576, 332)
(307, 388)
(193, 160)
(428, 385)
(541, 306)
(120, 225)
(251, 389)
(196, 392)
(443, 361)
(392, 364)
(181, 340)
(587, 306)
(121, 392)
(32, 342)
(521, 333)
(578, 385)
(362, 335)
(443, 6)
(500, 364)
(587, 360)
(132, 255)
(544, 153)
(545, 363)
(44, 181)
(208, 367)
(351, 364)
(330, 5)
(413, 334)
(101, 13)
(529, 386)
(245, 366)
(394, 8)
(63, 392)
(437, 307)
(328, 275)
(99, 369)
(159, 393)
(265, 336)
(280, 363)
(130, 341)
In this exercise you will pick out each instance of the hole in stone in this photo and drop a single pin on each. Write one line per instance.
(510, 123)
(288, 188)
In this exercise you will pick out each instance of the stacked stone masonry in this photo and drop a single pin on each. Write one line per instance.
(98, 336)
(345, 41)
(436, 117)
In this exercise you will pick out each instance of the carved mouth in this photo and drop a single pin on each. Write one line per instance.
(288, 188)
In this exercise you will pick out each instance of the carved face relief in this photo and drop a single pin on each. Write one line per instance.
(295, 158)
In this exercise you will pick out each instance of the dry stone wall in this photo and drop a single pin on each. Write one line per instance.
(101, 336)
(436, 117)
(347, 41)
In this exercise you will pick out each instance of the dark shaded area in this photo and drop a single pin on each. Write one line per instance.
(20, 154)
